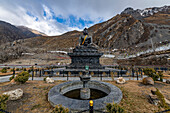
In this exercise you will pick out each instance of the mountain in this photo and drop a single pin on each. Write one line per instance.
(66, 40)
(134, 29)
(123, 31)
(139, 14)
(27, 31)
(9, 32)
(130, 32)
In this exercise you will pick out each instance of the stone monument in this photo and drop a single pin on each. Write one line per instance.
(85, 58)
(85, 54)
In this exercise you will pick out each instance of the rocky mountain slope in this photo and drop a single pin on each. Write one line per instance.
(132, 31)
(123, 31)
(27, 30)
(9, 32)
(139, 14)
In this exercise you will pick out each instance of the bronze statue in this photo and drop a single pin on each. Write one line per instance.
(85, 39)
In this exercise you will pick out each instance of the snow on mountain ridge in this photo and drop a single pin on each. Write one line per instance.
(146, 12)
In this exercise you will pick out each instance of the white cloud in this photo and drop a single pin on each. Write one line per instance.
(15, 12)
(44, 24)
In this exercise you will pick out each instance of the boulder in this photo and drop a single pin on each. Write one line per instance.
(153, 90)
(148, 81)
(154, 99)
(121, 80)
(167, 101)
(14, 94)
(168, 81)
(49, 80)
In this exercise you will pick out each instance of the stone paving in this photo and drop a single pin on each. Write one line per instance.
(6, 78)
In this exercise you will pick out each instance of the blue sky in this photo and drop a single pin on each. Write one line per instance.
(54, 17)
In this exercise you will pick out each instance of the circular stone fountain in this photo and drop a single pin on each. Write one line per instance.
(75, 95)
(59, 94)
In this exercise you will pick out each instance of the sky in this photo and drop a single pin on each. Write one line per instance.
(55, 17)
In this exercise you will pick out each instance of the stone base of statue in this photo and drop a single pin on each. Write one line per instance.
(85, 93)
(85, 56)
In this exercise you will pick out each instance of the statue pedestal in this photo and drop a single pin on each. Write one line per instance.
(85, 56)
(85, 93)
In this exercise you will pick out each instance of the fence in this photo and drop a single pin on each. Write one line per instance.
(134, 73)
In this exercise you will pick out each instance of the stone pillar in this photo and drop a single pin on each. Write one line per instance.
(85, 93)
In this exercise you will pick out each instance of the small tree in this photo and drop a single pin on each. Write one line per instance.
(22, 77)
(12, 77)
(45, 78)
(160, 75)
(29, 70)
(12, 70)
(114, 108)
(3, 101)
(4, 70)
(17, 69)
(24, 69)
(151, 73)
(162, 99)
(60, 109)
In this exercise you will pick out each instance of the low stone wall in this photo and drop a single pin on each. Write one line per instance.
(55, 95)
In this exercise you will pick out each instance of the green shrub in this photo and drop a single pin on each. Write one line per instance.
(151, 73)
(11, 70)
(4, 70)
(162, 100)
(8, 67)
(160, 73)
(22, 77)
(29, 70)
(60, 109)
(3, 101)
(12, 77)
(45, 78)
(17, 69)
(114, 108)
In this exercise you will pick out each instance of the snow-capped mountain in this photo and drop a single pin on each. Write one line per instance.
(146, 12)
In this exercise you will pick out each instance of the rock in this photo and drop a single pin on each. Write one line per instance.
(168, 81)
(121, 80)
(14, 94)
(167, 101)
(49, 80)
(148, 81)
(154, 99)
(153, 90)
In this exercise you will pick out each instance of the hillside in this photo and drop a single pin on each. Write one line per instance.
(9, 33)
(129, 32)
(28, 31)
(120, 32)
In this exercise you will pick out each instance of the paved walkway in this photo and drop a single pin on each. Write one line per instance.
(6, 78)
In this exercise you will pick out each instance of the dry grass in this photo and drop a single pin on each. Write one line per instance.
(166, 75)
(135, 96)
(159, 19)
(34, 99)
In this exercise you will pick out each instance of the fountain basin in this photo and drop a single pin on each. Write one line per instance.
(56, 95)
